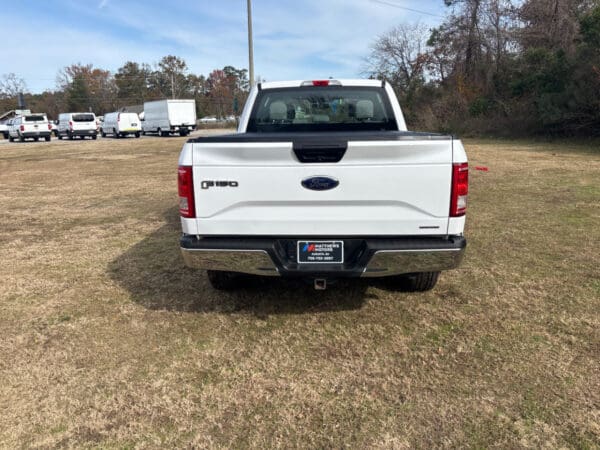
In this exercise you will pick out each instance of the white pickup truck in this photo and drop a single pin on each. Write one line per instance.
(323, 181)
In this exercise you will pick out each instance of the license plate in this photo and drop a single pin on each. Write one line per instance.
(134, 124)
(321, 252)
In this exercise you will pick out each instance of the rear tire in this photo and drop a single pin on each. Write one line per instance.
(103, 134)
(223, 281)
(71, 137)
(10, 138)
(21, 138)
(47, 138)
(416, 282)
(137, 135)
(94, 137)
(36, 139)
(115, 134)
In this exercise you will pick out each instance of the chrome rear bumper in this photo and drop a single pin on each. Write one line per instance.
(369, 257)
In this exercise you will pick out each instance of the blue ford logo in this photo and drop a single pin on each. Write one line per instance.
(320, 183)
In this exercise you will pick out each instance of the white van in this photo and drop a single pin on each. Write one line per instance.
(76, 124)
(164, 117)
(120, 124)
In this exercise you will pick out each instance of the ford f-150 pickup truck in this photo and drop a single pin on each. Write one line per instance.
(323, 181)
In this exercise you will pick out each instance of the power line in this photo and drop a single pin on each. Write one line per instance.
(395, 5)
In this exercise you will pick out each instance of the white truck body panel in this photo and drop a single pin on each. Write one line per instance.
(169, 115)
(407, 190)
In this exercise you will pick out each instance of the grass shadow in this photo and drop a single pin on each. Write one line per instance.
(156, 277)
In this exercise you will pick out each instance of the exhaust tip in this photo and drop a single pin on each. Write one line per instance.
(320, 284)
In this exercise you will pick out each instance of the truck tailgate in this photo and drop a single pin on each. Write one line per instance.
(386, 187)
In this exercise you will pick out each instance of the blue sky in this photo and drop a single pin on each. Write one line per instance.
(300, 39)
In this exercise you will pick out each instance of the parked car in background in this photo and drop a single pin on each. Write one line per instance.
(4, 130)
(72, 125)
(208, 119)
(165, 117)
(30, 126)
(121, 124)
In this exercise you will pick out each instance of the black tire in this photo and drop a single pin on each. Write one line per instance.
(71, 137)
(137, 135)
(102, 133)
(21, 138)
(159, 132)
(183, 133)
(115, 134)
(5, 135)
(36, 139)
(223, 281)
(47, 138)
(59, 136)
(11, 139)
(94, 137)
(415, 282)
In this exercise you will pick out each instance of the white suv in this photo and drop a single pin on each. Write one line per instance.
(34, 126)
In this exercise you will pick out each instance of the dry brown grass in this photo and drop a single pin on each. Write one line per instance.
(107, 340)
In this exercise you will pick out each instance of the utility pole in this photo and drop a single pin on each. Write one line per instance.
(250, 45)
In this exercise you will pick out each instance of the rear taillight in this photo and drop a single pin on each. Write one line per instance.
(22, 127)
(186, 192)
(70, 124)
(50, 127)
(460, 189)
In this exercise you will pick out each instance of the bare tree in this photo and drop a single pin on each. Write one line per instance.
(11, 85)
(399, 56)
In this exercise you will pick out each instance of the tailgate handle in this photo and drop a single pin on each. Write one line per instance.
(322, 152)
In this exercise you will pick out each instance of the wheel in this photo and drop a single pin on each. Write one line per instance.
(143, 133)
(59, 136)
(47, 138)
(137, 135)
(159, 132)
(94, 136)
(71, 137)
(115, 134)
(223, 281)
(102, 133)
(21, 138)
(415, 282)
(36, 139)
(10, 138)
(183, 133)
(5, 135)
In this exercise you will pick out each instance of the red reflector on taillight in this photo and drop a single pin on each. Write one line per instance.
(460, 189)
(320, 82)
(70, 124)
(50, 127)
(186, 192)
(22, 127)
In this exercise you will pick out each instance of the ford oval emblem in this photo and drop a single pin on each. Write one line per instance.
(320, 183)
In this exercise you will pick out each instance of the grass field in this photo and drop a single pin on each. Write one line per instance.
(107, 340)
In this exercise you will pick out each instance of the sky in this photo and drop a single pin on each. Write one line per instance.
(300, 39)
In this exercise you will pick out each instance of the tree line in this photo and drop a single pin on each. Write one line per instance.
(494, 67)
(82, 87)
(501, 67)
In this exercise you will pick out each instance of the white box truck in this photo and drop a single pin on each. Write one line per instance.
(164, 117)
